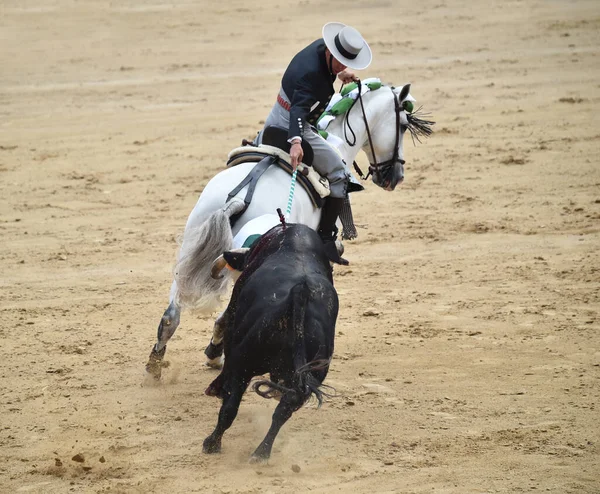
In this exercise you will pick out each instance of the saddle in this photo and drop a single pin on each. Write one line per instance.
(274, 150)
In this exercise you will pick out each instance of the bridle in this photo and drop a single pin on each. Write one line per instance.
(376, 167)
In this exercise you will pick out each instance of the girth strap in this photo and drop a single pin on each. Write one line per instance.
(239, 155)
(251, 180)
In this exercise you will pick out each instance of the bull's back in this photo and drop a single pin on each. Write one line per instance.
(274, 281)
(266, 302)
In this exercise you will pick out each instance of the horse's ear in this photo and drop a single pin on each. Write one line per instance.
(404, 92)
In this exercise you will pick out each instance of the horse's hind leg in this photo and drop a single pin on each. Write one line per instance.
(166, 329)
(214, 350)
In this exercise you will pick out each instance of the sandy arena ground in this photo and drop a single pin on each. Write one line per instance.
(467, 348)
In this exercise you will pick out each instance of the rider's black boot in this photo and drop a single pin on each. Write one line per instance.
(328, 230)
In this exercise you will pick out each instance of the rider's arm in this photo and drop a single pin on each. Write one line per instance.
(302, 102)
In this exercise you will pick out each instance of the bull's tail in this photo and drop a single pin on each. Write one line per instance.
(200, 246)
(307, 385)
(304, 384)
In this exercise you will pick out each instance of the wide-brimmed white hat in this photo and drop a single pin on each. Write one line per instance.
(347, 45)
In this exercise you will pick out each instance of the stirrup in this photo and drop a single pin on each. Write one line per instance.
(333, 254)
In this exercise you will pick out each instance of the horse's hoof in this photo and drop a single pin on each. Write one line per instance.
(154, 370)
(216, 363)
(213, 351)
(155, 363)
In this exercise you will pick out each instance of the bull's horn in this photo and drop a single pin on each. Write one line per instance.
(217, 266)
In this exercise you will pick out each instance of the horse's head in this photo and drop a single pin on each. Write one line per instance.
(392, 118)
(378, 125)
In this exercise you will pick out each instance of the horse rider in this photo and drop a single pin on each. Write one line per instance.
(306, 88)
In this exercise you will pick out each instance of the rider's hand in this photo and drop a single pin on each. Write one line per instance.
(347, 76)
(296, 154)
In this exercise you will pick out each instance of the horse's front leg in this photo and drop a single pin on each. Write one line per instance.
(166, 329)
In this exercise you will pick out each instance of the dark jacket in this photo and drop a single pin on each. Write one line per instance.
(309, 84)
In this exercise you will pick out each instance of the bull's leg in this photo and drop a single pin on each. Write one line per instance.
(166, 329)
(228, 412)
(214, 350)
(290, 402)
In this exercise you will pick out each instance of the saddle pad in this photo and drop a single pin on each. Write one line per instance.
(314, 184)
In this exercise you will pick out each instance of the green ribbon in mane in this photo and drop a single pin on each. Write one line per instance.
(346, 101)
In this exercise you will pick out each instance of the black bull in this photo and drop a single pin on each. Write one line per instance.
(280, 320)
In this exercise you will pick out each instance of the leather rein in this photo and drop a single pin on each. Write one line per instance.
(377, 166)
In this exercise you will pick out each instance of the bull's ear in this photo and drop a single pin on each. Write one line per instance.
(235, 259)
(404, 92)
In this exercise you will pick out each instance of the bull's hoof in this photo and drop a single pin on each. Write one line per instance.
(257, 459)
(213, 390)
(261, 454)
(155, 363)
(211, 446)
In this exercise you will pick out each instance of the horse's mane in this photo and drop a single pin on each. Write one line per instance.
(418, 124)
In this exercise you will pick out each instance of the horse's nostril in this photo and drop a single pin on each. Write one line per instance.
(402, 162)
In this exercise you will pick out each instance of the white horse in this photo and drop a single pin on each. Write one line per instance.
(376, 126)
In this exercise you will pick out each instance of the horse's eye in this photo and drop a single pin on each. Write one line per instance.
(407, 106)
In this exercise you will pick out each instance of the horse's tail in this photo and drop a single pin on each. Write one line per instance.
(304, 383)
(200, 246)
